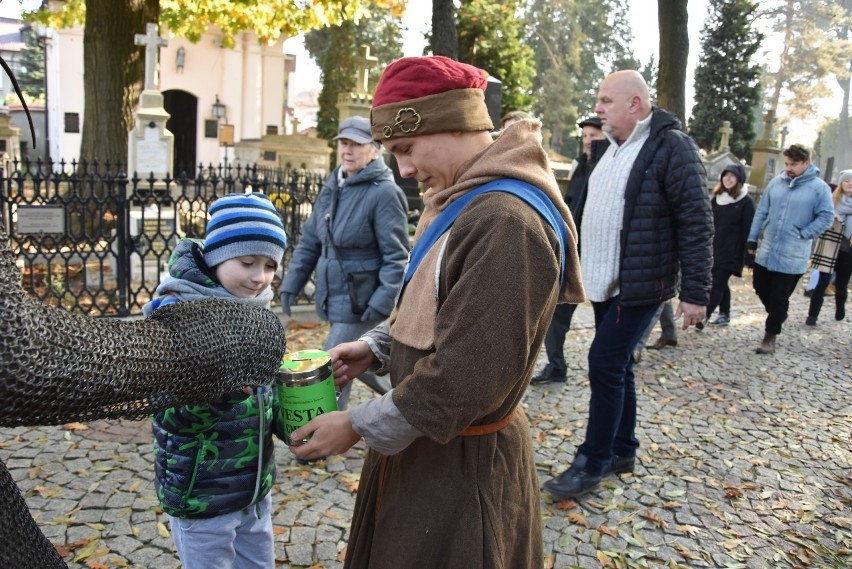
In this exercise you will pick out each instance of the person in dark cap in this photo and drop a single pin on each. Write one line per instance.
(355, 242)
(556, 370)
(450, 477)
(733, 211)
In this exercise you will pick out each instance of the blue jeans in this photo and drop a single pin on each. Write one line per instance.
(612, 407)
(239, 540)
(347, 332)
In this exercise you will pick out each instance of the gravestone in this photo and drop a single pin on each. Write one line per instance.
(154, 232)
(10, 138)
(766, 156)
(716, 162)
(150, 144)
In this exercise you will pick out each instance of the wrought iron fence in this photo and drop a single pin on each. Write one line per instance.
(94, 241)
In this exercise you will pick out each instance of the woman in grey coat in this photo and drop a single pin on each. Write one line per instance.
(356, 239)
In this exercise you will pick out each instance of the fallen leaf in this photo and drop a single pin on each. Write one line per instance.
(163, 530)
(45, 492)
(607, 531)
(540, 436)
(604, 559)
(840, 522)
(652, 517)
(578, 519)
(672, 505)
(277, 530)
(691, 531)
(96, 565)
(549, 562)
(75, 427)
(566, 505)
(134, 486)
(88, 550)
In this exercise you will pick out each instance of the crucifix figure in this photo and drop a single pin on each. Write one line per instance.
(152, 42)
(365, 62)
(726, 131)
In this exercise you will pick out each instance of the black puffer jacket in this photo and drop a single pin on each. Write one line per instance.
(668, 224)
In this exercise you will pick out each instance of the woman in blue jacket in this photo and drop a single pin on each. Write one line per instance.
(356, 239)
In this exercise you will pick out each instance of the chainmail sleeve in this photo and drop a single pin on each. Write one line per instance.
(57, 367)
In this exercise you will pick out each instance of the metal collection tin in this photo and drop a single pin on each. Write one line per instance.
(305, 388)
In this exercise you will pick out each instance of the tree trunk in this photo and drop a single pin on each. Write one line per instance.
(781, 75)
(444, 38)
(843, 140)
(674, 51)
(113, 71)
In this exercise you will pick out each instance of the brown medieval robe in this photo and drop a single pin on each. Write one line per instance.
(468, 502)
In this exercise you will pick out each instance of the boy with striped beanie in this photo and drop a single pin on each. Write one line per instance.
(214, 462)
(244, 245)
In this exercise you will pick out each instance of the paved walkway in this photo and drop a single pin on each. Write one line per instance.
(746, 461)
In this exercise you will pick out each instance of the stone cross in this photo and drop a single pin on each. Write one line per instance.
(365, 62)
(769, 126)
(725, 131)
(152, 42)
(295, 125)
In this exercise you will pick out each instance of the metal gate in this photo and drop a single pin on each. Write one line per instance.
(93, 241)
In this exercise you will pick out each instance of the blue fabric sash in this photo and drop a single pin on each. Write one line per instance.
(530, 194)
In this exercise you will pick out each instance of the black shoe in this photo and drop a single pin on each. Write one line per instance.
(547, 377)
(840, 313)
(811, 321)
(809, 293)
(572, 483)
(621, 465)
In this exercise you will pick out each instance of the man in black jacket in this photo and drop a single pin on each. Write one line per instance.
(556, 371)
(646, 217)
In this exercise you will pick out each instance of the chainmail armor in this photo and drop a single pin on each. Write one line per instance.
(58, 367)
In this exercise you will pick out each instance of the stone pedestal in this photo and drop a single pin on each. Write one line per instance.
(10, 138)
(150, 144)
(286, 151)
(153, 230)
(766, 163)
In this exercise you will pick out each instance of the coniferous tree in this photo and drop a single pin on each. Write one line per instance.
(727, 82)
(335, 50)
(491, 37)
(31, 77)
(576, 44)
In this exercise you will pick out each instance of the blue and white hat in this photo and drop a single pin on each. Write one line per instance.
(241, 225)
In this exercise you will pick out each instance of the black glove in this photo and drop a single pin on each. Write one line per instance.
(288, 299)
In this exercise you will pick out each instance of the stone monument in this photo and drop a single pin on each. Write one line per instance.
(358, 102)
(154, 228)
(10, 139)
(722, 157)
(150, 145)
(286, 150)
(766, 156)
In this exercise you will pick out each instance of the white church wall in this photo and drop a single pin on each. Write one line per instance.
(249, 80)
(66, 93)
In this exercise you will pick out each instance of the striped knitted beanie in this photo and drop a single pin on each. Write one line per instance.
(242, 225)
